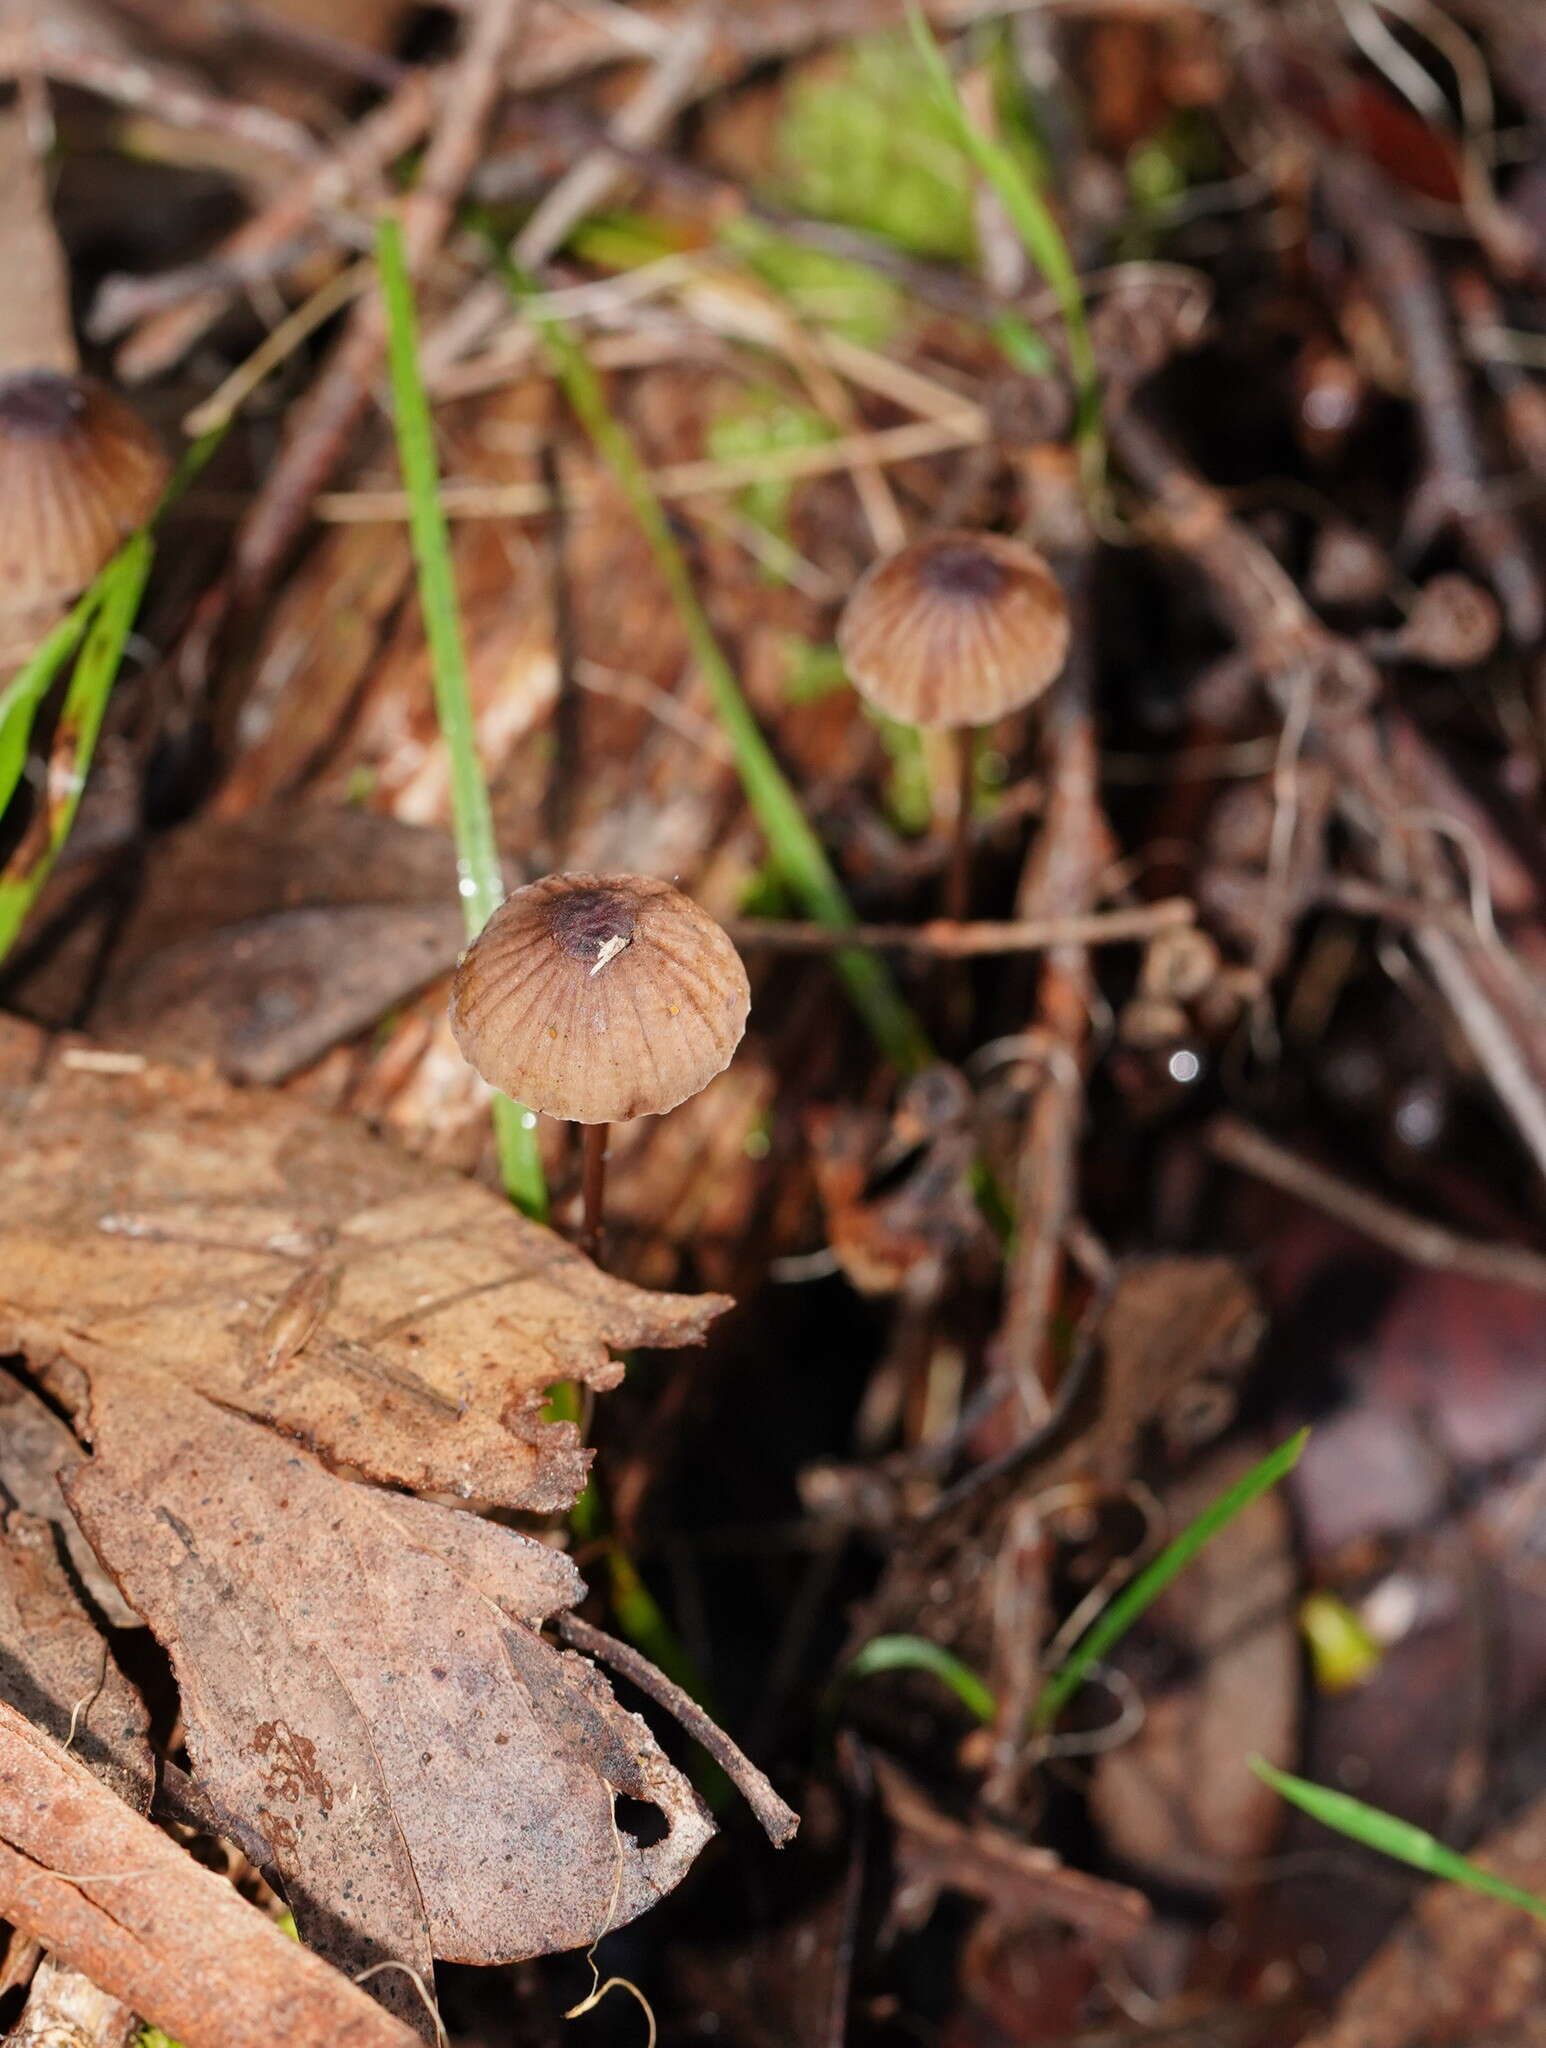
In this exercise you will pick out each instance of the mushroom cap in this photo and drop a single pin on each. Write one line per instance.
(956, 630)
(599, 998)
(79, 470)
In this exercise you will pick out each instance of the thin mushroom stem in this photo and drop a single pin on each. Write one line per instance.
(35, 328)
(958, 878)
(596, 1140)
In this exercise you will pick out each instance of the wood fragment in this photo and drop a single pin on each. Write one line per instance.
(113, 1897)
(66, 2010)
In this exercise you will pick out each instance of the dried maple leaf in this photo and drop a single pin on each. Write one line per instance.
(364, 1689)
(396, 1318)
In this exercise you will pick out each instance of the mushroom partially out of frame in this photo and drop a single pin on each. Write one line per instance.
(599, 998)
(79, 469)
(953, 633)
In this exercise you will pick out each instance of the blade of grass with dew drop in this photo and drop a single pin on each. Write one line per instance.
(917, 1653)
(794, 846)
(480, 877)
(1113, 1622)
(1392, 1837)
(1036, 225)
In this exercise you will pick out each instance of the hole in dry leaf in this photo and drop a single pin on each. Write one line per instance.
(642, 1823)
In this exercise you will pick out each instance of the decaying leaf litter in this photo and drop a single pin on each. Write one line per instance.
(928, 1323)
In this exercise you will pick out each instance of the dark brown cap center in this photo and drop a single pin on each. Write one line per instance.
(40, 402)
(592, 925)
(959, 570)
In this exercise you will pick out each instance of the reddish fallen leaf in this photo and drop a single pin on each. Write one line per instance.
(165, 1219)
(116, 1899)
(365, 1691)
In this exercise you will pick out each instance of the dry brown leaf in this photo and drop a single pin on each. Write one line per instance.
(55, 1667)
(255, 942)
(363, 1686)
(398, 1319)
(112, 1896)
(37, 1452)
(1176, 1339)
(1178, 1798)
(1463, 1970)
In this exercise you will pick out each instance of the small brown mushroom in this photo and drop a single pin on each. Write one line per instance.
(79, 470)
(599, 998)
(954, 632)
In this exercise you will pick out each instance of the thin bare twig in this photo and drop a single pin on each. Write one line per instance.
(677, 479)
(290, 218)
(664, 91)
(97, 64)
(1404, 281)
(1059, 880)
(1286, 642)
(332, 409)
(942, 938)
(779, 1820)
(1412, 1237)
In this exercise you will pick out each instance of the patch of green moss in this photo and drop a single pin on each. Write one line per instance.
(813, 670)
(821, 289)
(761, 422)
(867, 143)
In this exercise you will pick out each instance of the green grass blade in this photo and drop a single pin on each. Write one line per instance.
(479, 877)
(22, 695)
(1392, 1837)
(794, 847)
(1036, 225)
(917, 1653)
(106, 618)
(1113, 1623)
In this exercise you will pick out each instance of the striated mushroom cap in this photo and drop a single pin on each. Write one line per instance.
(599, 998)
(79, 470)
(955, 630)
